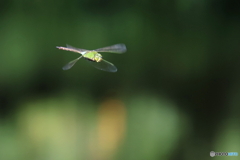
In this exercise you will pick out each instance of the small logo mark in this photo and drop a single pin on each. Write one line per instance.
(212, 154)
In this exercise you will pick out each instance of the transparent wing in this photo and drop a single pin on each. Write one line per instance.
(104, 65)
(70, 64)
(117, 48)
(72, 49)
(79, 49)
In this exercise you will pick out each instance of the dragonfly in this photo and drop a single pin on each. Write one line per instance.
(94, 57)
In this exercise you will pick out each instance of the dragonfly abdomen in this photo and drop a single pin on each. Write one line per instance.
(68, 49)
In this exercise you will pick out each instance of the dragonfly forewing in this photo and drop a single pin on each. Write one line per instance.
(117, 48)
(78, 49)
(72, 49)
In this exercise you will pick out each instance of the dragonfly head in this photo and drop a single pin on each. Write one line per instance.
(98, 57)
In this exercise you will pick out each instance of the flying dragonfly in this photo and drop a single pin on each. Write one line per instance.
(95, 58)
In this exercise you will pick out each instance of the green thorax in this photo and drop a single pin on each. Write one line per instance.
(93, 56)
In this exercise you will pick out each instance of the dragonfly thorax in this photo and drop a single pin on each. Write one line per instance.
(93, 56)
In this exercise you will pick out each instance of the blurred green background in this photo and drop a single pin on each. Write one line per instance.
(176, 95)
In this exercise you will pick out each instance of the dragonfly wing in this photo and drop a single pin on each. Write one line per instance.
(117, 48)
(104, 65)
(78, 49)
(70, 64)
